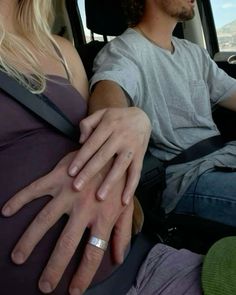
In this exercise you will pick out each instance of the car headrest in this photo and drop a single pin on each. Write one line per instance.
(105, 17)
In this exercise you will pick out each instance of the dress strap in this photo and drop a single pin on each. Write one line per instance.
(62, 60)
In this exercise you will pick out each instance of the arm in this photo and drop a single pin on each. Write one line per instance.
(116, 130)
(104, 89)
(229, 103)
(113, 128)
(108, 128)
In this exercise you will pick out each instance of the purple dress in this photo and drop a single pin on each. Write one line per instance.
(30, 148)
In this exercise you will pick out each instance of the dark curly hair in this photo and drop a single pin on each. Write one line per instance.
(133, 10)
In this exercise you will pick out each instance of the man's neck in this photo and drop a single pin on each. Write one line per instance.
(157, 27)
(158, 38)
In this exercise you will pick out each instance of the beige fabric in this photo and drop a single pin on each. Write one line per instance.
(138, 217)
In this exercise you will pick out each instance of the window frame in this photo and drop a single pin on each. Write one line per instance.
(209, 28)
(76, 22)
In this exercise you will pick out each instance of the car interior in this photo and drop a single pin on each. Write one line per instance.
(104, 20)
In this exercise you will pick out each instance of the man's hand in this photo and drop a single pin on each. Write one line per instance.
(84, 212)
(122, 133)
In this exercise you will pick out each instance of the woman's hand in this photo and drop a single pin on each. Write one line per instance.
(122, 133)
(84, 211)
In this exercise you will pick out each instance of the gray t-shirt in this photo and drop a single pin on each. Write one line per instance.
(177, 91)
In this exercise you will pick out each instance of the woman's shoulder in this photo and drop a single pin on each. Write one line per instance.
(74, 63)
(65, 45)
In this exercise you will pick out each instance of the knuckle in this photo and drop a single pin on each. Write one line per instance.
(85, 174)
(112, 117)
(52, 273)
(34, 186)
(107, 219)
(81, 281)
(101, 156)
(44, 217)
(89, 144)
(125, 159)
(129, 155)
(61, 170)
(94, 256)
(67, 243)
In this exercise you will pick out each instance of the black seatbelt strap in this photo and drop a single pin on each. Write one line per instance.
(198, 150)
(39, 105)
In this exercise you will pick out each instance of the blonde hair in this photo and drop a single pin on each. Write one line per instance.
(34, 20)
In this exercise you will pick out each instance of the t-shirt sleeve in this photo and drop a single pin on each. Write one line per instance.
(115, 63)
(221, 85)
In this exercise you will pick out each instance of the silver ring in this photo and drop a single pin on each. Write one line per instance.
(99, 243)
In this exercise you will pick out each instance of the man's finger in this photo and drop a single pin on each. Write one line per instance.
(122, 234)
(90, 262)
(41, 187)
(62, 254)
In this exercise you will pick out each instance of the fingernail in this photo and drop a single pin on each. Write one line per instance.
(102, 194)
(18, 257)
(126, 200)
(79, 184)
(75, 291)
(6, 211)
(120, 260)
(82, 138)
(45, 287)
(73, 171)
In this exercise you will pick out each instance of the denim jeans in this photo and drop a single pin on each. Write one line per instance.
(212, 196)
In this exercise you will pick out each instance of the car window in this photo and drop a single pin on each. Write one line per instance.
(87, 32)
(224, 12)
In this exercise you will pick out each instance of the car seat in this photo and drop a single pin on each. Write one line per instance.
(105, 18)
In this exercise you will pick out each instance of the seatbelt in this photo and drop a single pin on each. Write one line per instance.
(39, 105)
(153, 171)
(198, 150)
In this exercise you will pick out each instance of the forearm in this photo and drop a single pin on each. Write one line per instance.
(229, 103)
(107, 94)
(111, 121)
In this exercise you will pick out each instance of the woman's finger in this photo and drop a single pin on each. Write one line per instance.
(89, 148)
(133, 177)
(88, 124)
(96, 163)
(119, 167)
